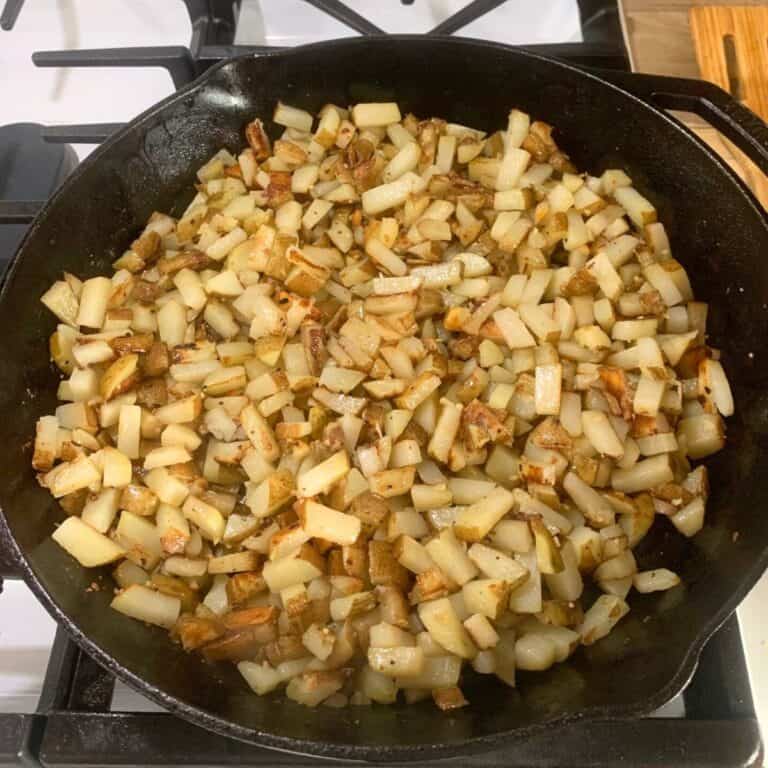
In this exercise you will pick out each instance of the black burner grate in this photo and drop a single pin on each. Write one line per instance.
(214, 24)
(74, 726)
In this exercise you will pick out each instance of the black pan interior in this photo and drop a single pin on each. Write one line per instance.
(717, 232)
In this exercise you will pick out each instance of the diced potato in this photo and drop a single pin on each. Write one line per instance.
(385, 196)
(166, 456)
(100, 510)
(169, 489)
(323, 476)
(326, 523)
(147, 605)
(513, 330)
(639, 208)
(497, 565)
(534, 652)
(473, 523)
(180, 436)
(319, 641)
(592, 505)
(117, 468)
(234, 563)
(259, 433)
(181, 411)
(89, 547)
(140, 539)
(352, 605)
(93, 302)
(173, 529)
(61, 300)
(481, 631)
(440, 619)
(567, 583)
(643, 475)
(690, 519)
(657, 580)
(446, 429)
(206, 517)
(438, 672)
(396, 662)
(527, 597)
(600, 433)
(600, 619)
(548, 389)
(512, 536)
(72, 476)
(548, 555)
(486, 597)
(713, 382)
(377, 687)
(46, 440)
(303, 566)
(392, 482)
(449, 555)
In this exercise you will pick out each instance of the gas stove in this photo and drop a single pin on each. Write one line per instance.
(57, 706)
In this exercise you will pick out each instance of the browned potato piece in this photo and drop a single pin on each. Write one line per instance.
(120, 377)
(241, 587)
(139, 500)
(383, 568)
(195, 632)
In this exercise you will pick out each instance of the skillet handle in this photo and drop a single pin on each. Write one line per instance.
(710, 102)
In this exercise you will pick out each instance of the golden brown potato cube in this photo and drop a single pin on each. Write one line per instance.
(156, 362)
(370, 509)
(238, 646)
(147, 247)
(355, 560)
(336, 563)
(394, 606)
(152, 393)
(311, 688)
(122, 376)
(383, 568)
(241, 587)
(73, 503)
(430, 585)
(285, 648)
(251, 617)
(126, 345)
(258, 139)
(139, 500)
(176, 587)
(195, 632)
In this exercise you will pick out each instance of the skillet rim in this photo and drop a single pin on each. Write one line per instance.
(389, 753)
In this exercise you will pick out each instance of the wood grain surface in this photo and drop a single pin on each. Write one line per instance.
(660, 39)
(731, 46)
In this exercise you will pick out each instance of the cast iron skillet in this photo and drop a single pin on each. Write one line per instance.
(717, 230)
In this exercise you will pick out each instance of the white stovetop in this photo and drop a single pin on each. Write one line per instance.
(113, 95)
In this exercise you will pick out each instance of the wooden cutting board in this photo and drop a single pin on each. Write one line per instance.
(732, 51)
(726, 43)
(731, 44)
